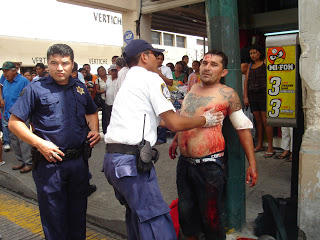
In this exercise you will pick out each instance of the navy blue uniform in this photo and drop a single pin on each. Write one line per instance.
(58, 115)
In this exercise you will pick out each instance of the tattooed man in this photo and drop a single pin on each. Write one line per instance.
(200, 179)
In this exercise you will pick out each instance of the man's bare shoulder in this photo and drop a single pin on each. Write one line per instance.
(230, 95)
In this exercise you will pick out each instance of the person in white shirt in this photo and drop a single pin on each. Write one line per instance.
(141, 103)
(101, 84)
(110, 86)
(122, 72)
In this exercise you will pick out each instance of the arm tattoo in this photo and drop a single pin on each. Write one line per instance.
(232, 97)
(193, 102)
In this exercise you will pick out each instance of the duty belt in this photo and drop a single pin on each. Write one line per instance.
(69, 154)
(122, 148)
(216, 157)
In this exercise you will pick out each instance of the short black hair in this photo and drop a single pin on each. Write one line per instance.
(184, 56)
(63, 50)
(82, 69)
(221, 54)
(161, 54)
(86, 64)
(75, 67)
(134, 60)
(114, 57)
(121, 62)
(41, 65)
(195, 61)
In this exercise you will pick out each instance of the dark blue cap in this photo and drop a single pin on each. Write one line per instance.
(137, 46)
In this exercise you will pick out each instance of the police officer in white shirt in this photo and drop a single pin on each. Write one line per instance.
(142, 101)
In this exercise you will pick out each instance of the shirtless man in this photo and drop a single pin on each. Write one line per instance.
(200, 178)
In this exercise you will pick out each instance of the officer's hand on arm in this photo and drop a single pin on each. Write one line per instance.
(50, 151)
(173, 147)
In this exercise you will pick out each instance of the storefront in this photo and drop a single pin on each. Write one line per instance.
(94, 35)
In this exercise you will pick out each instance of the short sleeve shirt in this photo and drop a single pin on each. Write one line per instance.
(142, 93)
(58, 112)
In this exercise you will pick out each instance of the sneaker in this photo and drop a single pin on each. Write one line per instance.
(6, 147)
(2, 163)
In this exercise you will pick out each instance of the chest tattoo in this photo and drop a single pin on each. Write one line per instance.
(192, 102)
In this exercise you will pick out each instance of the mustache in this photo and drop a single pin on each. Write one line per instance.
(206, 72)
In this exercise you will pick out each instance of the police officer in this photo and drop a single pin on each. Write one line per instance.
(60, 108)
(142, 101)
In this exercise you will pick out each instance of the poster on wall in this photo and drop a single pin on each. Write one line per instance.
(281, 83)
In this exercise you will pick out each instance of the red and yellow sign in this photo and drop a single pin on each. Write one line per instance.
(281, 82)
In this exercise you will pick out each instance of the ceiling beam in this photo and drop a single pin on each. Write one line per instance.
(149, 6)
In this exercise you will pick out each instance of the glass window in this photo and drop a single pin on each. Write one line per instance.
(155, 37)
(181, 41)
(168, 39)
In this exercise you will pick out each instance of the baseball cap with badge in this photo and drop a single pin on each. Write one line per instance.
(137, 46)
(8, 65)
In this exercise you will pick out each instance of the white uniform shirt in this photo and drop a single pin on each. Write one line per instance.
(110, 91)
(166, 71)
(142, 92)
(121, 76)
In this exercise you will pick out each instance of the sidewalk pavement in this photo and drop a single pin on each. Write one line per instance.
(104, 209)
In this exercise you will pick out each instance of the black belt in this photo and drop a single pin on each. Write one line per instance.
(122, 148)
(216, 157)
(69, 154)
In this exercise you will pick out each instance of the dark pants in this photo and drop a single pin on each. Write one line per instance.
(106, 119)
(200, 191)
(62, 195)
(147, 214)
(162, 135)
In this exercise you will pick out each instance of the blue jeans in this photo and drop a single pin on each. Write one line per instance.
(5, 130)
(200, 191)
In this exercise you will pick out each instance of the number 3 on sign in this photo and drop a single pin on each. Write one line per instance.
(276, 104)
(275, 81)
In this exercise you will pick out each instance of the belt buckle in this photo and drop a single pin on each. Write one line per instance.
(192, 161)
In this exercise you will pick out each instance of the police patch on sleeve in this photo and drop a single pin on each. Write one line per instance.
(165, 91)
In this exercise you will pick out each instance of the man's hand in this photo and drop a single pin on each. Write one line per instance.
(213, 118)
(50, 151)
(252, 175)
(173, 149)
(93, 137)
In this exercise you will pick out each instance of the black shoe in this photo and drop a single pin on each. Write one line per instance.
(92, 188)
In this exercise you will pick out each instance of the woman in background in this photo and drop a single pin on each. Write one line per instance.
(255, 94)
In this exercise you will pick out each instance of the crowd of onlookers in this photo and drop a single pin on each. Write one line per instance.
(179, 77)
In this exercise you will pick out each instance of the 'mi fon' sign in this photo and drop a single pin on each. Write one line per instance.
(281, 80)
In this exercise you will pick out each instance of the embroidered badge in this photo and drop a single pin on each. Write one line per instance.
(80, 90)
(165, 91)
